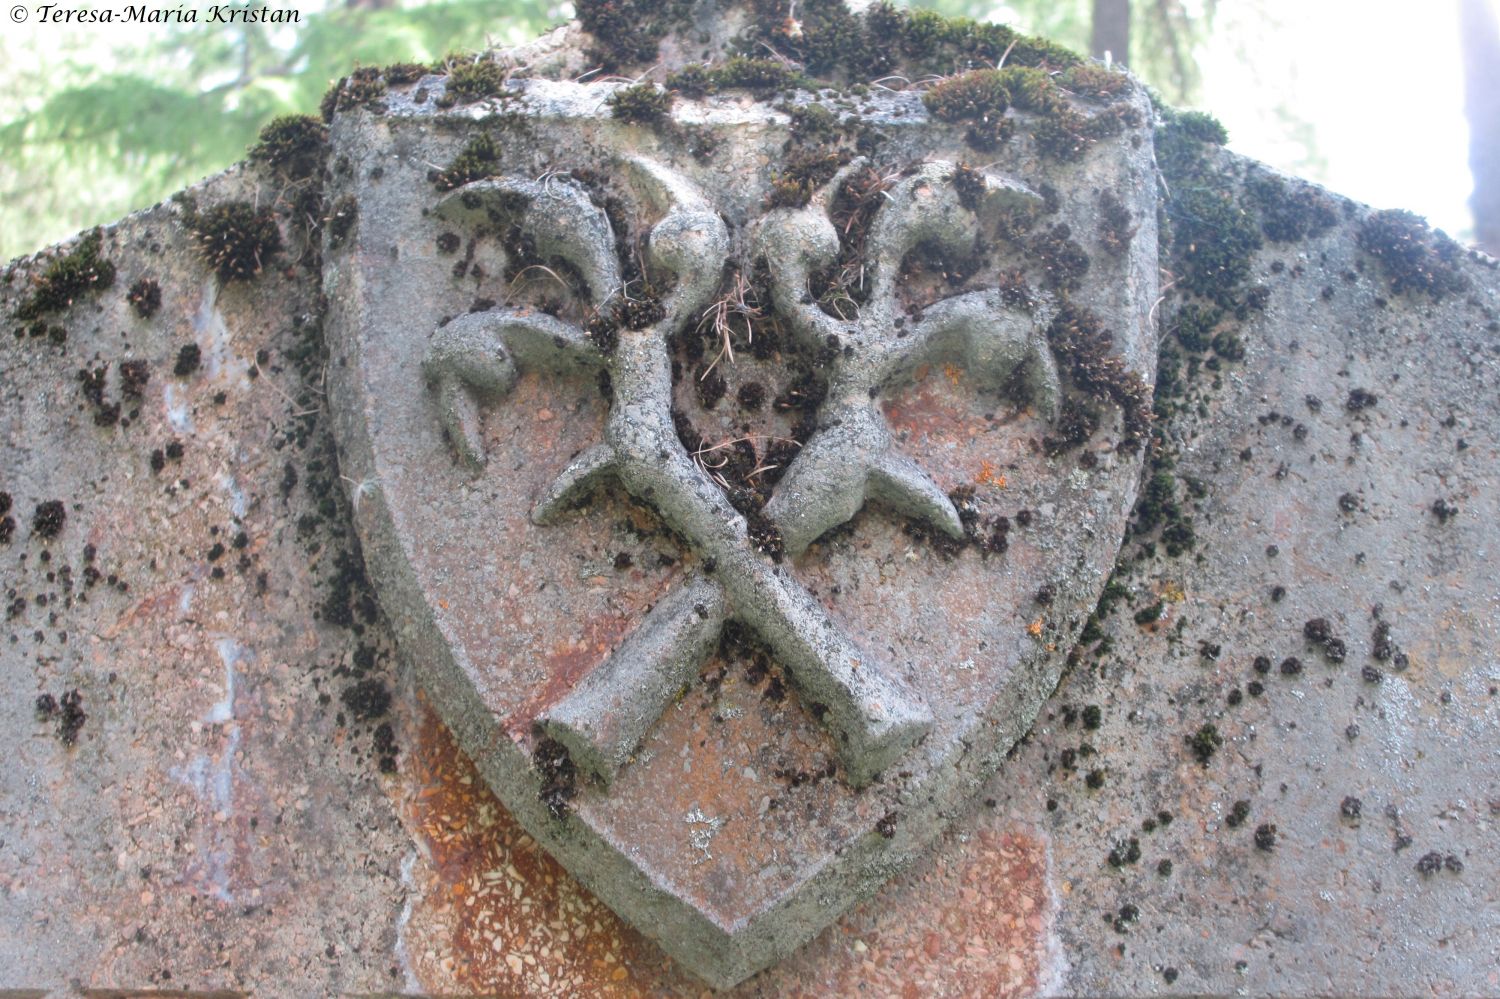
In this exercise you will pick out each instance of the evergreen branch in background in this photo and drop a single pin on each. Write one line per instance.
(101, 143)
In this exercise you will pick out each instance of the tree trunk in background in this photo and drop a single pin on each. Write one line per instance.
(1111, 30)
(1480, 35)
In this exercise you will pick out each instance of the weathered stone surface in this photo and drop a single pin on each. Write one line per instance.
(222, 819)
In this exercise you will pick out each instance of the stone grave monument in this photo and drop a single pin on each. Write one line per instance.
(760, 498)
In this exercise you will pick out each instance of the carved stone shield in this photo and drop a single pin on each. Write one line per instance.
(736, 497)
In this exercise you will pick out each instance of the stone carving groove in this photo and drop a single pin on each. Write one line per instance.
(873, 717)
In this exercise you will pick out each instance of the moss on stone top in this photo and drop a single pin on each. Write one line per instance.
(293, 145)
(78, 272)
(474, 79)
(642, 104)
(1414, 257)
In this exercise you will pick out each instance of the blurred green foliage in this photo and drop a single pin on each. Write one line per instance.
(106, 128)
(104, 121)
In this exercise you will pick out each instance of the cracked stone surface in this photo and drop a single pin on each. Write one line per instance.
(270, 792)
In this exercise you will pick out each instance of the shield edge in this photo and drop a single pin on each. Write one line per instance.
(720, 955)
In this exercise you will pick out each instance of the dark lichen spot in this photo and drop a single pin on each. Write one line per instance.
(1205, 742)
(1083, 345)
(558, 777)
(48, 518)
(751, 396)
(188, 360)
(1319, 632)
(1430, 863)
(1443, 510)
(1062, 259)
(1125, 852)
(1265, 837)
(1116, 226)
(970, 186)
(1075, 425)
(367, 700)
(68, 713)
(1237, 814)
(145, 297)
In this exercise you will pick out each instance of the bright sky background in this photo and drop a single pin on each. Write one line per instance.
(1380, 82)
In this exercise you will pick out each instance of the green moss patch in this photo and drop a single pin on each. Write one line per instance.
(363, 88)
(293, 145)
(1413, 256)
(762, 77)
(628, 32)
(76, 273)
(478, 160)
(834, 43)
(1213, 232)
(1084, 346)
(474, 80)
(1289, 213)
(802, 172)
(642, 104)
(236, 239)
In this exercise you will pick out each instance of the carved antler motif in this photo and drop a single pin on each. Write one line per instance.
(873, 717)
(852, 458)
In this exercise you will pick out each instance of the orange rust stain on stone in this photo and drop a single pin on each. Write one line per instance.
(496, 915)
(566, 663)
(929, 409)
